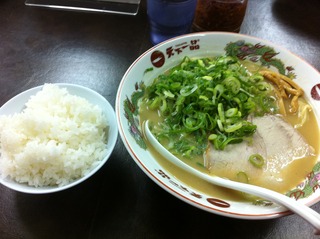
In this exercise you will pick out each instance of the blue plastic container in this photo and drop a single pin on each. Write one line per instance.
(170, 18)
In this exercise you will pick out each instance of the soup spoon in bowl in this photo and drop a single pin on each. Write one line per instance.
(304, 211)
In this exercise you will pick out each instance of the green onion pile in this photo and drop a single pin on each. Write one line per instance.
(207, 99)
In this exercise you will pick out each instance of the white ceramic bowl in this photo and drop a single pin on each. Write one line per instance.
(17, 103)
(168, 54)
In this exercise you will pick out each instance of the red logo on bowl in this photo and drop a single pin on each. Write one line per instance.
(157, 59)
(315, 92)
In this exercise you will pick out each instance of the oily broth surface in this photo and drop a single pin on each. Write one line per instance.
(293, 174)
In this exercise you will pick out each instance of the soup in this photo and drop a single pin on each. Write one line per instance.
(291, 174)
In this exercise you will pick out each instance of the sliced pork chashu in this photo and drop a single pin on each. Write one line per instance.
(275, 140)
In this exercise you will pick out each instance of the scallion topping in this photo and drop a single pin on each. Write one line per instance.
(207, 98)
(256, 160)
(242, 177)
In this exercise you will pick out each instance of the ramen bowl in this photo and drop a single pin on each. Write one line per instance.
(18, 103)
(164, 56)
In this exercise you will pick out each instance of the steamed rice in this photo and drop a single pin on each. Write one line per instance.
(57, 139)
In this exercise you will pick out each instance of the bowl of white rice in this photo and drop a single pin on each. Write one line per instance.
(53, 137)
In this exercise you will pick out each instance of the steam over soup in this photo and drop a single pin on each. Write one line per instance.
(221, 117)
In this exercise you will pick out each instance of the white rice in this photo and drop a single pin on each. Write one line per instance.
(57, 139)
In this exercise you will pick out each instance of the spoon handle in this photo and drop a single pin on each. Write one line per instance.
(304, 211)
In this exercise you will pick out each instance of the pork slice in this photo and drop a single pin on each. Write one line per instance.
(275, 140)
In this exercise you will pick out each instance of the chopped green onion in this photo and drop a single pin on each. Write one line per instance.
(220, 125)
(188, 90)
(221, 112)
(256, 78)
(207, 99)
(242, 177)
(212, 137)
(207, 77)
(155, 103)
(200, 62)
(168, 94)
(217, 92)
(148, 69)
(256, 160)
(163, 106)
(233, 127)
(231, 112)
(233, 84)
(203, 97)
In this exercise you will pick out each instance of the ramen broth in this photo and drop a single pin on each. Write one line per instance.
(292, 174)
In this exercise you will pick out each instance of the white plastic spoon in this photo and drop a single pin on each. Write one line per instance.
(304, 211)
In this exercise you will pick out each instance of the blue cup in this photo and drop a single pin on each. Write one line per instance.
(170, 18)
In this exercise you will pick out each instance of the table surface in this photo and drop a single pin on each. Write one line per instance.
(39, 45)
